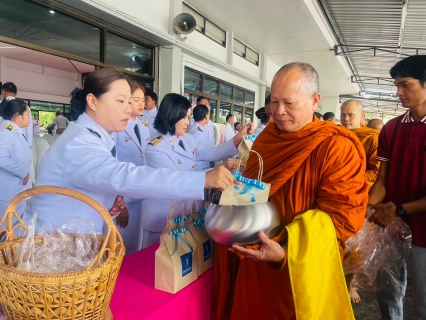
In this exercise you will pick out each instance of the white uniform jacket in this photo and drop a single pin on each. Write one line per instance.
(259, 129)
(81, 159)
(15, 161)
(201, 136)
(148, 116)
(128, 147)
(165, 152)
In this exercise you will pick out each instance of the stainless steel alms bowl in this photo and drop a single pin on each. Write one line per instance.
(240, 225)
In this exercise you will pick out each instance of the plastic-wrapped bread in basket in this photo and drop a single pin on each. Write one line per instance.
(79, 295)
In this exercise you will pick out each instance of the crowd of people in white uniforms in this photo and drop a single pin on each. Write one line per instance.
(122, 151)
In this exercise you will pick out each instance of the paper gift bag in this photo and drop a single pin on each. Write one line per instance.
(245, 146)
(204, 244)
(176, 261)
(176, 222)
(202, 239)
(249, 192)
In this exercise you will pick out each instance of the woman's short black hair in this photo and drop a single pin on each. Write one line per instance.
(414, 67)
(261, 115)
(13, 107)
(173, 108)
(200, 112)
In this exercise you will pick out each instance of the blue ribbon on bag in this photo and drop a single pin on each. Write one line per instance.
(249, 185)
(199, 223)
(251, 138)
(176, 234)
(178, 220)
(201, 211)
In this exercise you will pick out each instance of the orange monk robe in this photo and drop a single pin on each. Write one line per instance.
(370, 141)
(319, 166)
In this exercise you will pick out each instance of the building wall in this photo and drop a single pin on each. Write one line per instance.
(157, 17)
(38, 82)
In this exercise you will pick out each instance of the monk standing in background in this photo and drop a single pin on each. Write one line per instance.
(310, 164)
(376, 124)
(352, 117)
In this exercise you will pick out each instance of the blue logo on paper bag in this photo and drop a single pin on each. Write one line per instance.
(186, 261)
(207, 250)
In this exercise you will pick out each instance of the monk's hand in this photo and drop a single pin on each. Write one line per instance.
(231, 164)
(123, 218)
(385, 214)
(270, 251)
(219, 178)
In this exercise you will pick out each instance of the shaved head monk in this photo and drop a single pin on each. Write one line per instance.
(376, 124)
(351, 116)
(316, 170)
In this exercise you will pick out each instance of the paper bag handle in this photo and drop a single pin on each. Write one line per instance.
(260, 175)
(171, 214)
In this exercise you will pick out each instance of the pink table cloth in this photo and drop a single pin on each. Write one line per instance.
(136, 298)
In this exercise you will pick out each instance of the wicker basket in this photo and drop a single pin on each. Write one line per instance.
(84, 294)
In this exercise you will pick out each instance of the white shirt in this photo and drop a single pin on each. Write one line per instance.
(259, 129)
(229, 132)
(148, 116)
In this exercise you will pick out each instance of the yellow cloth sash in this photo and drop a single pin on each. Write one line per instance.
(316, 273)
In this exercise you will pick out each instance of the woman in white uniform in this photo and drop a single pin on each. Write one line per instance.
(177, 150)
(84, 159)
(131, 144)
(264, 120)
(15, 154)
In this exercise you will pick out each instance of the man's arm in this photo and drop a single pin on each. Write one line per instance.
(378, 190)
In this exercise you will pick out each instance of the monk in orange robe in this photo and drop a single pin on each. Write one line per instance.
(351, 117)
(310, 164)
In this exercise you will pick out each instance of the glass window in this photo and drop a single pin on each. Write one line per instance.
(225, 108)
(192, 98)
(213, 112)
(238, 113)
(238, 95)
(225, 90)
(239, 48)
(249, 98)
(198, 17)
(129, 55)
(248, 115)
(215, 33)
(211, 86)
(40, 25)
(192, 80)
(252, 56)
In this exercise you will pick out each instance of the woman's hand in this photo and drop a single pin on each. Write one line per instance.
(123, 218)
(118, 206)
(24, 183)
(247, 130)
(231, 164)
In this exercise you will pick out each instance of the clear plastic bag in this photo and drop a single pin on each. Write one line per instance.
(375, 248)
(66, 247)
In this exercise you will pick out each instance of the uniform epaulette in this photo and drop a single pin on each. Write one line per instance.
(201, 129)
(95, 133)
(9, 127)
(156, 140)
(146, 124)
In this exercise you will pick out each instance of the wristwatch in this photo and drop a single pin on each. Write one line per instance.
(400, 211)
